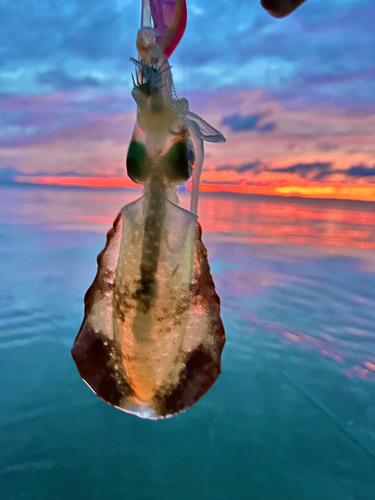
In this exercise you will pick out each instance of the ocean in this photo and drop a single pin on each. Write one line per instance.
(292, 416)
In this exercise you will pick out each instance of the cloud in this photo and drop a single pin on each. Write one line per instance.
(60, 80)
(268, 127)
(331, 78)
(52, 30)
(8, 173)
(26, 119)
(321, 54)
(311, 172)
(239, 123)
(360, 171)
(70, 173)
(72, 36)
(247, 167)
(326, 146)
(314, 171)
(88, 132)
(220, 183)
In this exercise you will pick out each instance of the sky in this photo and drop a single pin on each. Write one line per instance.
(294, 97)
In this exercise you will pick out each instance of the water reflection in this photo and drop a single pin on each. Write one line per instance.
(295, 401)
(306, 229)
(240, 218)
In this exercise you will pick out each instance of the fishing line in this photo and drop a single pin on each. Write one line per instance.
(328, 413)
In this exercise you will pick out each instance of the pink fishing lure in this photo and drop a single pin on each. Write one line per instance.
(170, 18)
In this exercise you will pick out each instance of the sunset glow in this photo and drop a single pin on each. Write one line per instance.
(92, 182)
(347, 192)
(299, 119)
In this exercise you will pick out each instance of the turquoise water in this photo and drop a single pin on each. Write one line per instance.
(291, 417)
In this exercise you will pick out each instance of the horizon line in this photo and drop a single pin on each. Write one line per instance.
(348, 192)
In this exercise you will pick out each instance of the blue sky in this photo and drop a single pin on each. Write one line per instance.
(54, 45)
(65, 78)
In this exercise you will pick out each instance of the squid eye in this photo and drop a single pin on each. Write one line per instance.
(135, 161)
(178, 162)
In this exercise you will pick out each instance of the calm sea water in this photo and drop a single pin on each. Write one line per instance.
(292, 415)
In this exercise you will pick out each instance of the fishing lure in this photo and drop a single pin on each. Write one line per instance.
(281, 8)
(151, 338)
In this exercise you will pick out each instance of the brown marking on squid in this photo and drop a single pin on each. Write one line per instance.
(95, 358)
(147, 286)
(93, 352)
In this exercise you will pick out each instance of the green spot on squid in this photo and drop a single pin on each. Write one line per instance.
(178, 168)
(135, 161)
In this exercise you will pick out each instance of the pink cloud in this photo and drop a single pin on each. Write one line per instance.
(97, 146)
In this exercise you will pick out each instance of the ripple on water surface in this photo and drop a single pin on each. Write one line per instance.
(292, 415)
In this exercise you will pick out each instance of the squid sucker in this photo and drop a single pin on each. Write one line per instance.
(151, 339)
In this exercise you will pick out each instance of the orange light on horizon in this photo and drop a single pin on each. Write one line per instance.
(343, 192)
(73, 181)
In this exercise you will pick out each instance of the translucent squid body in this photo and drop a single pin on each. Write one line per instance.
(151, 339)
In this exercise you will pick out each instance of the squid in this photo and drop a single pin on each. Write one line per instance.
(151, 339)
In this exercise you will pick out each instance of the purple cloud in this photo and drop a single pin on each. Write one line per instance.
(239, 123)
(360, 171)
(316, 170)
(59, 79)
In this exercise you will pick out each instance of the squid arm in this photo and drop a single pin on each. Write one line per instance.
(200, 131)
